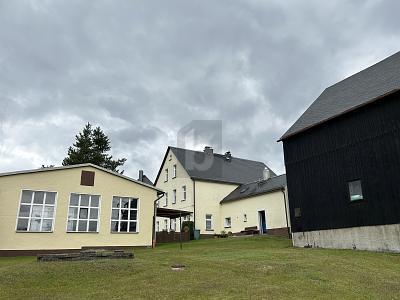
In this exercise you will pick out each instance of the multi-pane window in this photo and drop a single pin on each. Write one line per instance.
(166, 199)
(124, 214)
(355, 190)
(228, 222)
(174, 196)
(158, 226)
(174, 172)
(173, 224)
(184, 193)
(166, 224)
(208, 222)
(36, 211)
(83, 214)
(166, 175)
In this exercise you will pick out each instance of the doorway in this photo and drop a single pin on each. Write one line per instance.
(262, 221)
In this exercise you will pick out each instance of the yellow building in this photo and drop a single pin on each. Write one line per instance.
(199, 181)
(73, 207)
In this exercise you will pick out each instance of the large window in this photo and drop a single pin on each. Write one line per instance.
(124, 215)
(36, 211)
(184, 193)
(83, 214)
(174, 196)
(209, 222)
(355, 190)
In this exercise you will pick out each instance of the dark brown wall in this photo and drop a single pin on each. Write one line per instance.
(363, 144)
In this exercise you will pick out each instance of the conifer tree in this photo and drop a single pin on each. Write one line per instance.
(91, 146)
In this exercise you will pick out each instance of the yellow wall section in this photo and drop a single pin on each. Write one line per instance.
(208, 197)
(272, 203)
(64, 182)
(182, 179)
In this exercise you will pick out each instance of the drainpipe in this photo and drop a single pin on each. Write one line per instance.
(153, 234)
(194, 204)
(286, 212)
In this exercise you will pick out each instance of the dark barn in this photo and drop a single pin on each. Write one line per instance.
(342, 160)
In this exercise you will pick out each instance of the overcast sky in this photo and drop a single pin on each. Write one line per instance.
(142, 70)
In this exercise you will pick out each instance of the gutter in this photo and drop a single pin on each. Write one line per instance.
(153, 233)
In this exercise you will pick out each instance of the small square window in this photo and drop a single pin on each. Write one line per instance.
(297, 212)
(355, 190)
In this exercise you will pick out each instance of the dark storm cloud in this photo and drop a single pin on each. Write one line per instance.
(143, 70)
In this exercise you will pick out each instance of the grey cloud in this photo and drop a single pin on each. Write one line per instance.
(143, 70)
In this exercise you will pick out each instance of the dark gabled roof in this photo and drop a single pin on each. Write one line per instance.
(351, 93)
(215, 167)
(81, 166)
(256, 188)
(146, 180)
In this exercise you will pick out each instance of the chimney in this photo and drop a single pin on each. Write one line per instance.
(140, 175)
(266, 174)
(208, 150)
(228, 156)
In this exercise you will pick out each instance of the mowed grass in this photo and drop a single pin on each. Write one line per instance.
(233, 268)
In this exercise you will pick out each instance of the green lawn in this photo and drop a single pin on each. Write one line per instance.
(235, 268)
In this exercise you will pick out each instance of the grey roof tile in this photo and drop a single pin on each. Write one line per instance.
(216, 167)
(256, 188)
(355, 91)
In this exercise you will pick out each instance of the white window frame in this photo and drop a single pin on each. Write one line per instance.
(88, 219)
(226, 225)
(174, 196)
(244, 217)
(172, 224)
(166, 224)
(30, 212)
(157, 226)
(184, 193)
(129, 215)
(166, 175)
(211, 222)
(166, 199)
(174, 171)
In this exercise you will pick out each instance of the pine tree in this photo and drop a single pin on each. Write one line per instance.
(91, 146)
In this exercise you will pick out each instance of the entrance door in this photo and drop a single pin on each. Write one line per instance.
(262, 222)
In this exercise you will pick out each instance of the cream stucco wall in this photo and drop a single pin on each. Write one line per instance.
(208, 198)
(272, 203)
(64, 182)
(181, 179)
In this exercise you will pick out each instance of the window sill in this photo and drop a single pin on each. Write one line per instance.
(227, 226)
(23, 231)
(82, 232)
(114, 232)
(209, 229)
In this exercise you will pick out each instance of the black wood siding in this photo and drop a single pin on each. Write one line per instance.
(363, 144)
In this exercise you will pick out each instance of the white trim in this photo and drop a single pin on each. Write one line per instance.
(80, 166)
(129, 210)
(184, 193)
(88, 207)
(211, 222)
(174, 194)
(31, 208)
(225, 223)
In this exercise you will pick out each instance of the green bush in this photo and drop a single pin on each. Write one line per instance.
(188, 226)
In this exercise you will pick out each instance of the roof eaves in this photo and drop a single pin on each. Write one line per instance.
(296, 132)
(225, 200)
